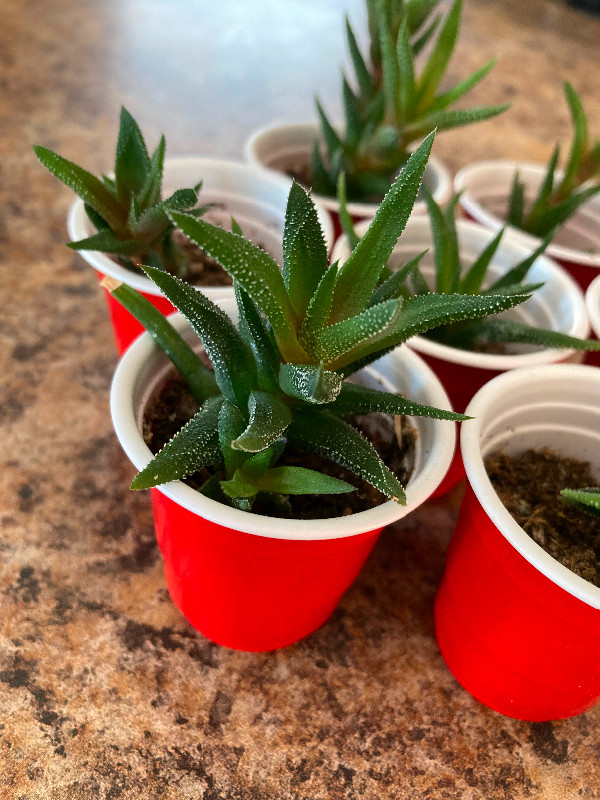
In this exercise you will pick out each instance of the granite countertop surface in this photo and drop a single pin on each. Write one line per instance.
(105, 691)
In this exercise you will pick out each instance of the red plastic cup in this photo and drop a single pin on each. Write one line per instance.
(257, 200)
(519, 630)
(485, 187)
(253, 582)
(592, 302)
(559, 304)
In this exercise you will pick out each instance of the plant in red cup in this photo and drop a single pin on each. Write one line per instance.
(467, 259)
(278, 383)
(119, 222)
(533, 200)
(517, 628)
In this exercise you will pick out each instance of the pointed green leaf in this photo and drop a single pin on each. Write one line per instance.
(520, 270)
(351, 114)
(395, 286)
(198, 377)
(299, 480)
(325, 434)
(516, 202)
(269, 417)
(420, 42)
(420, 314)
(231, 424)
(406, 76)
(358, 277)
(545, 191)
(85, 185)
(445, 243)
(345, 218)
(309, 382)
(419, 283)
(195, 446)
(319, 307)
(330, 136)
(330, 343)
(253, 331)
(472, 280)
(151, 190)
(233, 364)
(304, 249)
(361, 71)
(579, 143)
(505, 330)
(444, 120)
(256, 273)
(452, 96)
(354, 399)
(132, 163)
(437, 63)
(389, 68)
(97, 221)
(583, 499)
(106, 242)
(555, 216)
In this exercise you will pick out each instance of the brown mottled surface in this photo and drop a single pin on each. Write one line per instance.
(105, 691)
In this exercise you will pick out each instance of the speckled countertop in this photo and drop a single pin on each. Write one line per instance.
(105, 691)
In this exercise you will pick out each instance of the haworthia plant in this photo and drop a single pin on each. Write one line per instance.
(584, 499)
(279, 376)
(452, 277)
(393, 103)
(127, 210)
(558, 199)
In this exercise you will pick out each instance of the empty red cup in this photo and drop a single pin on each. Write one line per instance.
(517, 629)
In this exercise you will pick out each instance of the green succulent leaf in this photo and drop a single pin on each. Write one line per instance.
(545, 191)
(361, 71)
(234, 368)
(253, 331)
(472, 280)
(445, 243)
(256, 273)
(231, 424)
(355, 399)
(550, 219)
(351, 114)
(516, 202)
(335, 341)
(106, 242)
(319, 307)
(195, 446)
(395, 286)
(444, 120)
(323, 433)
(310, 383)
(150, 193)
(579, 143)
(358, 277)
(437, 63)
(505, 330)
(304, 250)
(132, 163)
(269, 417)
(198, 377)
(584, 499)
(85, 185)
(452, 96)
(390, 72)
(345, 218)
(407, 92)
(299, 480)
(516, 275)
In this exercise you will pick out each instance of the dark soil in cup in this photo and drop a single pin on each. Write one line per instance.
(173, 406)
(529, 487)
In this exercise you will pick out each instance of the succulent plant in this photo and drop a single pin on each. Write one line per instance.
(127, 211)
(587, 500)
(385, 115)
(452, 277)
(280, 376)
(558, 199)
